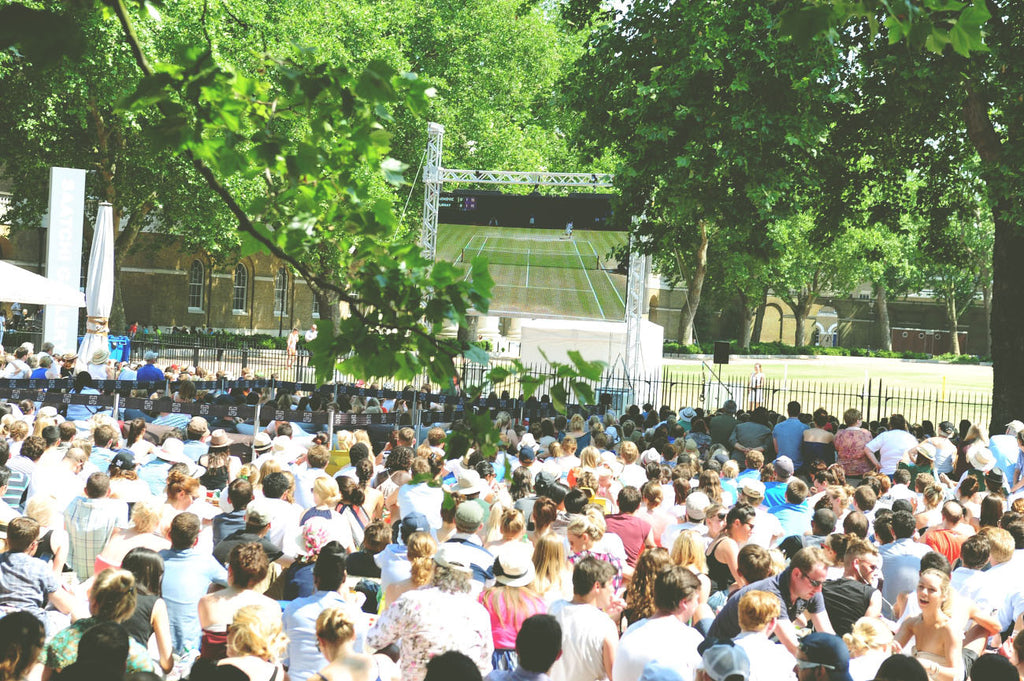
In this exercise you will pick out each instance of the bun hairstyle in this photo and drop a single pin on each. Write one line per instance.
(112, 597)
(334, 626)
(512, 522)
(178, 482)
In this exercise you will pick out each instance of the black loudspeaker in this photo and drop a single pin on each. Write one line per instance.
(721, 352)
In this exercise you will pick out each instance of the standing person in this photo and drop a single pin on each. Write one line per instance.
(788, 436)
(292, 344)
(756, 394)
(589, 634)
(850, 443)
(723, 423)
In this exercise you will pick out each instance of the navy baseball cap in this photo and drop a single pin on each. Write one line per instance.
(828, 651)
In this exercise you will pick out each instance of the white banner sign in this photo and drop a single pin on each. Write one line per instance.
(64, 252)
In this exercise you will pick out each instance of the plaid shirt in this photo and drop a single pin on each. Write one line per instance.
(89, 523)
(25, 583)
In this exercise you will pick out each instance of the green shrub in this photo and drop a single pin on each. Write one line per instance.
(782, 349)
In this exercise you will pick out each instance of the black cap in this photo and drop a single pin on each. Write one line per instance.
(124, 459)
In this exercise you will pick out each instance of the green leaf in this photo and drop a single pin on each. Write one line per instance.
(475, 353)
(44, 37)
(559, 397)
(592, 370)
(530, 385)
(393, 170)
(806, 22)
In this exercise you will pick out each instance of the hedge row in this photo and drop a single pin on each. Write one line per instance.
(674, 348)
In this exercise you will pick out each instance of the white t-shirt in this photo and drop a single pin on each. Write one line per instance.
(665, 639)
(891, 446)
(584, 630)
(768, 661)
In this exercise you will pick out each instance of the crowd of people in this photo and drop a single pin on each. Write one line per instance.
(653, 544)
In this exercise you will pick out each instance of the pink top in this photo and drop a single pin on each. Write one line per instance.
(849, 444)
(504, 628)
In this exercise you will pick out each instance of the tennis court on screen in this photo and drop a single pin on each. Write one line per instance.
(539, 273)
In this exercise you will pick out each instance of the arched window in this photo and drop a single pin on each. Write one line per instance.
(240, 291)
(195, 286)
(281, 293)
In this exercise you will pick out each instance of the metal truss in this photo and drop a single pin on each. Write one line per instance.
(434, 177)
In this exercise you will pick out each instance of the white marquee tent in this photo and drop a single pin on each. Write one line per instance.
(21, 286)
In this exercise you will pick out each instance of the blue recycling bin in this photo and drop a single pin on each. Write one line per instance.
(120, 347)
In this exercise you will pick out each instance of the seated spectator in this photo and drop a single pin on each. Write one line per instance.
(239, 496)
(22, 638)
(90, 521)
(188, 575)
(758, 612)
(720, 662)
(794, 515)
(870, 643)
(634, 531)
(798, 589)
(258, 520)
(150, 618)
(111, 599)
(538, 645)
(855, 595)
(375, 538)
(102, 654)
(255, 643)
(26, 583)
(826, 655)
(439, 618)
(301, 615)
(247, 568)
(335, 637)
(665, 636)
(141, 534)
(589, 636)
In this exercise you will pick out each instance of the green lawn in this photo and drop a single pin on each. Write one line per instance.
(537, 273)
(894, 372)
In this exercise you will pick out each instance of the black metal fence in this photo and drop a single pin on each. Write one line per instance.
(874, 397)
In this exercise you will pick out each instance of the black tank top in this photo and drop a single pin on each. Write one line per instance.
(718, 572)
(139, 626)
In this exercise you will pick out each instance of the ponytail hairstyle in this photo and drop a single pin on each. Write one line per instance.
(335, 626)
(420, 551)
(112, 597)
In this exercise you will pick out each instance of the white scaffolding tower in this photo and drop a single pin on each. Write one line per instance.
(434, 177)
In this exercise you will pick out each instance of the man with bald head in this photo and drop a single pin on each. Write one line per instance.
(948, 537)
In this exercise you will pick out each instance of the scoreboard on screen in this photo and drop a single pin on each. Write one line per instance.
(453, 202)
(466, 207)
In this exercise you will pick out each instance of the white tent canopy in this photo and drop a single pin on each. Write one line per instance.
(21, 286)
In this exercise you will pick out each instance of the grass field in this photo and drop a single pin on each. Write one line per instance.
(539, 274)
(852, 370)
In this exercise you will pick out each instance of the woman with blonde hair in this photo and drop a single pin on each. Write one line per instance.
(688, 552)
(933, 496)
(255, 643)
(111, 599)
(511, 528)
(420, 550)
(144, 523)
(53, 542)
(335, 635)
(583, 533)
(553, 580)
(870, 642)
(509, 602)
(938, 646)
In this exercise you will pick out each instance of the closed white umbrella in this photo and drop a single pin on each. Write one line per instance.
(99, 295)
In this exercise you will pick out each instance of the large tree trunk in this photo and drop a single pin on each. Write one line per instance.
(986, 301)
(1006, 323)
(694, 287)
(953, 317)
(759, 317)
(800, 311)
(882, 316)
(749, 306)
